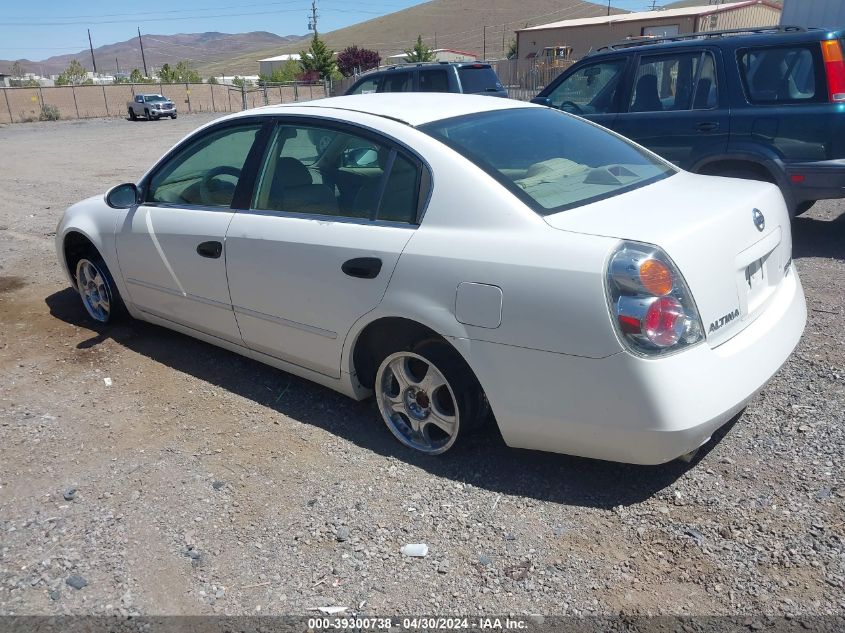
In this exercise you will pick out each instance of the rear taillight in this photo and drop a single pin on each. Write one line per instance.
(834, 68)
(652, 308)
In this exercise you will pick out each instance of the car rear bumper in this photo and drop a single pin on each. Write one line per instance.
(629, 409)
(818, 180)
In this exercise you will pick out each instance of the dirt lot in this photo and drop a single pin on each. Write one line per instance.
(208, 483)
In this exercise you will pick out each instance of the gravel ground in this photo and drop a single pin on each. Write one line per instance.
(200, 482)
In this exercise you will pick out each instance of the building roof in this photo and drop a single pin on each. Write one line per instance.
(282, 58)
(651, 15)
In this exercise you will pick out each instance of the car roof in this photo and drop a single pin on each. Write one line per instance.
(413, 108)
(726, 39)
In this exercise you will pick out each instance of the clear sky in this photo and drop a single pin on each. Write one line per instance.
(53, 27)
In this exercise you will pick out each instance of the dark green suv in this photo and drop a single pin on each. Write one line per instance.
(767, 104)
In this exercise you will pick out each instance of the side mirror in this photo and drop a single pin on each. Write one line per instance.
(123, 196)
(543, 101)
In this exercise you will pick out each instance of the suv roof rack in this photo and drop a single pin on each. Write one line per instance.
(645, 41)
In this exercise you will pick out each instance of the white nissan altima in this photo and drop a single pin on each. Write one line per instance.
(458, 256)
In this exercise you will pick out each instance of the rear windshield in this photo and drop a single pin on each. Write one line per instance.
(479, 79)
(550, 160)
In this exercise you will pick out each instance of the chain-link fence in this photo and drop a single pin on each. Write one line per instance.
(18, 105)
(523, 78)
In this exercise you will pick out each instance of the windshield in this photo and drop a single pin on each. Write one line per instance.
(155, 98)
(548, 159)
(477, 79)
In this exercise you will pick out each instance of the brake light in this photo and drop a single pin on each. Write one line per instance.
(652, 308)
(834, 68)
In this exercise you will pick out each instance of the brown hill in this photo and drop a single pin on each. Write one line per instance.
(457, 24)
(201, 48)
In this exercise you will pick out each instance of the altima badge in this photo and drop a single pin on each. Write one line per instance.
(759, 219)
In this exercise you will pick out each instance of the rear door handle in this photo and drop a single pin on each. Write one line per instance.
(362, 267)
(212, 250)
(707, 126)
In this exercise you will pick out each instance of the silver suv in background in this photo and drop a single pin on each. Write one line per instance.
(477, 78)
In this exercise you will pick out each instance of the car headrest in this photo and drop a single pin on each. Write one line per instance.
(291, 173)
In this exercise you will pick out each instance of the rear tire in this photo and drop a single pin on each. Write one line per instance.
(428, 397)
(132, 116)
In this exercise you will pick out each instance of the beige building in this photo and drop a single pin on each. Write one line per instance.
(268, 65)
(587, 34)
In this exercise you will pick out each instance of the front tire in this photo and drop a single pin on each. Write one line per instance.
(97, 289)
(172, 116)
(428, 397)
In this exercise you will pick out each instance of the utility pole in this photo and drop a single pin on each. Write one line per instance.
(484, 54)
(608, 7)
(91, 47)
(435, 40)
(117, 63)
(143, 58)
(504, 52)
(312, 19)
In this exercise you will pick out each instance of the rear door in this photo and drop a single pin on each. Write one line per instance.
(318, 245)
(676, 107)
(400, 81)
(593, 91)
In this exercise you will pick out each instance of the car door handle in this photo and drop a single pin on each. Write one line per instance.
(212, 250)
(707, 126)
(362, 267)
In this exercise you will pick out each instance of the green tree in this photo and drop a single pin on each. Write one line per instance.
(240, 82)
(185, 74)
(513, 51)
(289, 72)
(166, 74)
(74, 74)
(16, 70)
(420, 52)
(136, 77)
(213, 80)
(318, 58)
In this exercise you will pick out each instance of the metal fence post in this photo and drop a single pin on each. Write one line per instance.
(6, 94)
(106, 100)
(188, 95)
(75, 104)
(213, 107)
(243, 96)
(296, 91)
(229, 97)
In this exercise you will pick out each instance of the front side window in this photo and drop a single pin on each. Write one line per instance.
(206, 172)
(397, 82)
(591, 89)
(354, 177)
(781, 75)
(365, 86)
(550, 161)
(674, 81)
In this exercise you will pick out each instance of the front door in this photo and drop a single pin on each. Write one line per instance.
(171, 247)
(674, 107)
(593, 91)
(318, 247)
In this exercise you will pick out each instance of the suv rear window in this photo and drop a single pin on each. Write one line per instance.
(478, 79)
(782, 74)
(550, 160)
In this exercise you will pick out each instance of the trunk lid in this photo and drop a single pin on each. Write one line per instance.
(709, 227)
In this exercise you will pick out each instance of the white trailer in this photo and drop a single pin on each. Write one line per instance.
(807, 13)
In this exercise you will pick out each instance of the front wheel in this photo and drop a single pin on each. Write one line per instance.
(172, 116)
(428, 397)
(97, 289)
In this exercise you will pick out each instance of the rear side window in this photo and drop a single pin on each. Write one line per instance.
(479, 79)
(782, 75)
(434, 80)
(397, 82)
(674, 81)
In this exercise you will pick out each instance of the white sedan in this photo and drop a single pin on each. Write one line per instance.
(458, 256)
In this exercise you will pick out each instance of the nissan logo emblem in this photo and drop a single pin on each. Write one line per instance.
(759, 219)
